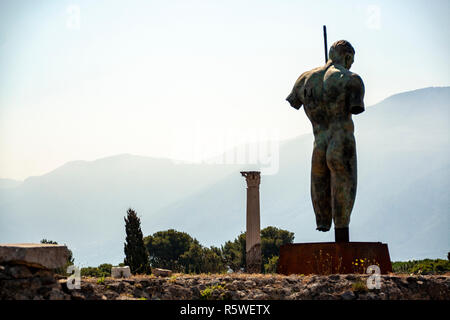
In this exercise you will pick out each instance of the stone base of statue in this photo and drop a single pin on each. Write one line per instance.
(333, 258)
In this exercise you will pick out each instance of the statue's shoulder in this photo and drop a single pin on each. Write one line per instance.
(304, 85)
(303, 77)
(316, 72)
(311, 73)
(312, 78)
(342, 76)
(356, 80)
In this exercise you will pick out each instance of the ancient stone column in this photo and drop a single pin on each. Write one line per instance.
(253, 236)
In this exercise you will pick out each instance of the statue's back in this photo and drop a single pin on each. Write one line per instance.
(329, 92)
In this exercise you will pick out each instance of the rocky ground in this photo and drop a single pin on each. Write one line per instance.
(21, 282)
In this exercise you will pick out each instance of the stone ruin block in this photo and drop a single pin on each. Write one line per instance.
(36, 255)
(161, 272)
(120, 272)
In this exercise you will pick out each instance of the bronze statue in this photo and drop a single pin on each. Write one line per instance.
(330, 95)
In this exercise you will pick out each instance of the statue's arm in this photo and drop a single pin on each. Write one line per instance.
(296, 98)
(356, 92)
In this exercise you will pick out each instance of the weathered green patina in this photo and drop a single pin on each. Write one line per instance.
(330, 95)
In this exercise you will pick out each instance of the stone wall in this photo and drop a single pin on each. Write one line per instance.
(21, 282)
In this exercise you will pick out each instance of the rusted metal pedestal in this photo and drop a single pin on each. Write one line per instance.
(333, 258)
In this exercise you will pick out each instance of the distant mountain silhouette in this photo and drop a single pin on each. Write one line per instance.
(82, 203)
(9, 183)
(402, 199)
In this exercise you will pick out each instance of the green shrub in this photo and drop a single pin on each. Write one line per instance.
(272, 239)
(102, 271)
(426, 266)
(359, 286)
(271, 265)
(207, 293)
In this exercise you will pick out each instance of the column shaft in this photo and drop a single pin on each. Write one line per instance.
(253, 234)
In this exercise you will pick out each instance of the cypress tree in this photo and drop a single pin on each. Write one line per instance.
(136, 255)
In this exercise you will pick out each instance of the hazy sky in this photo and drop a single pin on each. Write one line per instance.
(81, 80)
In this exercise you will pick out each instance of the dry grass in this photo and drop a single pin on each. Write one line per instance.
(248, 276)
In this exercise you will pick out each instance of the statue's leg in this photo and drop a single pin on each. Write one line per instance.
(320, 187)
(341, 159)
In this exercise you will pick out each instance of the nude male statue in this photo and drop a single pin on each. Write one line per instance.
(330, 95)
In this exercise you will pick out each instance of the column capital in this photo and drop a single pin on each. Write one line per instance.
(253, 178)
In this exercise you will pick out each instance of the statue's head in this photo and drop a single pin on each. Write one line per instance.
(342, 52)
